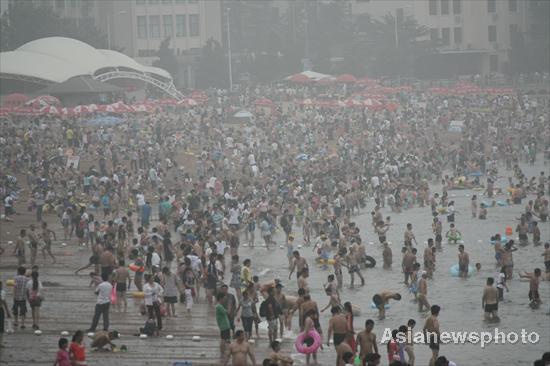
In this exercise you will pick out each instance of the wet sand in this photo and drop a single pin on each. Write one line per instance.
(70, 305)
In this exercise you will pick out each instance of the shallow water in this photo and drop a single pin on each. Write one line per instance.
(460, 299)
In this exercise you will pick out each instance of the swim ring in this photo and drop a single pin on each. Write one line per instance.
(454, 270)
(503, 239)
(137, 294)
(136, 268)
(369, 261)
(325, 261)
(373, 305)
(303, 347)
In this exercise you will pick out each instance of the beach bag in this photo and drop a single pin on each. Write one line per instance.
(113, 295)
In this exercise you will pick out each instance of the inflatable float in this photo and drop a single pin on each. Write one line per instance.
(373, 305)
(303, 347)
(454, 270)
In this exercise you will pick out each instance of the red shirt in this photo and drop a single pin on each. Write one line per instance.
(78, 351)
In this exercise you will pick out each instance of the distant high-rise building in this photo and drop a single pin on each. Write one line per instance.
(139, 27)
(475, 35)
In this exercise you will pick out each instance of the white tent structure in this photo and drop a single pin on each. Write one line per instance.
(57, 59)
(312, 75)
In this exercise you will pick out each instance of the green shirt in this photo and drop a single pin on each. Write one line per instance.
(221, 317)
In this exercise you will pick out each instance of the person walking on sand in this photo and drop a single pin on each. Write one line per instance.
(431, 329)
(46, 236)
(103, 292)
(34, 296)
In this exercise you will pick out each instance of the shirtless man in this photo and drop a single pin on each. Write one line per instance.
(277, 358)
(534, 282)
(382, 299)
(409, 236)
(431, 330)
(337, 327)
(239, 351)
(281, 299)
(342, 349)
(387, 256)
(463, 262)
(437, 229)
(302, 280)
(366, 340)
(489, 300)
(334, 299)
(422, 295)
(19, 250)
(33, 243)
(353, 266)
(107, 261)
(122, 276)
(299, 264)
(46, 235)
(103, 338)
(305, 307)
(546, 256)
(429, 260)
(409, 259)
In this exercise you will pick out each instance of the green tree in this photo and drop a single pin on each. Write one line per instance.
(167, 60)
(393, 56)
(212, 69)
(25, 21)
(539, 45)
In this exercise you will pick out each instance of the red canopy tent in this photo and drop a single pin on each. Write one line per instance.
(299, 79)
(263, 102)
(346, 79)
(15, 100)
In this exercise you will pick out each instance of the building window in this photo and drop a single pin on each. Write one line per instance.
(167, 25)
(513, 5)
(433, 7)
(154, 26)
(491, 6)
(492, 33)
(493, 63)
(457, 7)
(194, 25)
(142, 26)
(434, 34)
(140, 2)
(446, 36)
(458, 35)
(513, 32)
(181, 26)
(60, 4)
(444, 7)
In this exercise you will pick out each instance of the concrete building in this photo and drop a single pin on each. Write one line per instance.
(139, 26)
(475, 34)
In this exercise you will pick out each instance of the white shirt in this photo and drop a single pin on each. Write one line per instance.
(29, 286)
(500, 280)
(234, 216)
(155, 259)
(151, 293)
(220, 246)
(140, 199)
(104, 292)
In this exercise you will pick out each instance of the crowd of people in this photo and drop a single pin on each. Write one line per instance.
(166, 202)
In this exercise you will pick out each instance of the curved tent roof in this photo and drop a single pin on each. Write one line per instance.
(57, 59)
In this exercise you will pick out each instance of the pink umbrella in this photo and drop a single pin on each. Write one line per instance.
(49, 110)
(106, 108)
(15, 99)
(121, 107)
(43, 101)
(263, 102)
(81, 109)
(26, 111)
(367, 81)
(168, 101)
(92, 108)
(373, 104)
(299, 79)
(67, 111)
